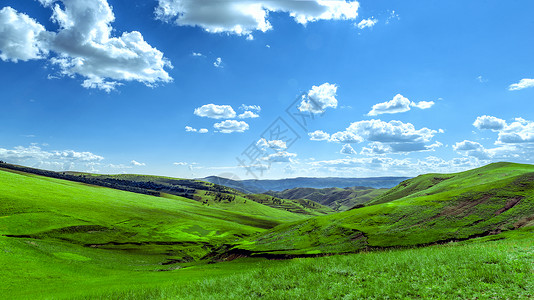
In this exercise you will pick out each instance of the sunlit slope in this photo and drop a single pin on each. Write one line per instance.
(211, 194)
(427, 209)
(46, 208)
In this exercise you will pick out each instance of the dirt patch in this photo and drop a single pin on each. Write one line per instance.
(463, 207)
(509, 204)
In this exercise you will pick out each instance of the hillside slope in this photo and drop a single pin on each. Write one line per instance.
(41, 208)
(338, 199)
(428, 209)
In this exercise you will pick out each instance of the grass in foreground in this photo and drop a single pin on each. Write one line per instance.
(501, 269)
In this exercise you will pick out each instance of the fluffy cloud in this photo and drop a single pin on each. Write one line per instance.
(58, 159)
(376, 166)
(471, 148)
(137, 164)
(377, 148)
(518, 132)
(489, 122)
(248, 114)
(398, 104)
(347, 149)
(243, 17)
(281, 156)
(230, 126)
(319, 135)
(390, 132)
(367, 23)
(215, 111)
(345, 137)
(276, 145)
(319, 98)
(21, 37)
(84, 45)
(522, 84)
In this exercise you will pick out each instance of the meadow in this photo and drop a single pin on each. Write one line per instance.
(466, 235)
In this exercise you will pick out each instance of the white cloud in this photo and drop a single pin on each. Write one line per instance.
(180, 163)
(377, 148)
(398, 104)
(21, 37)
(423, 104)
(281, 156)
(217, 63)
(248, 114)
(345, 137)
(367, 23)
(197, 54)
(215, 111)
(245, 107)
(319, 98)
(517, 132)
(276, 145)
(347, 149)
(84, 45)
(489, 122)
(230, 126)
(137, 164)
(522, 84)
(470, 148)
(319, 135)
(390, 132)
(377, 166)
(35, 156)
(191, 129)
(244, 17)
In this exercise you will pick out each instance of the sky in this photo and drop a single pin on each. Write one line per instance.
(266, 89)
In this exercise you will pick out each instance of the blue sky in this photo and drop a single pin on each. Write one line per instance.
(386, 87)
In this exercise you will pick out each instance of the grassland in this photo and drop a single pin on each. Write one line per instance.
(63, 239)
(431, 208)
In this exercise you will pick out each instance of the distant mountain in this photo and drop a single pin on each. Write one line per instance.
(339, 199)
(254, 186)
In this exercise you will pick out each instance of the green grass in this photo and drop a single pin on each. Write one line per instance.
(430, 210)
(62, 239)
(482, 270)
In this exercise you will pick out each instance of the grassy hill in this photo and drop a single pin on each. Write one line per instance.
(209, 194)
(338, 199)
(432, 208)
(66, 239)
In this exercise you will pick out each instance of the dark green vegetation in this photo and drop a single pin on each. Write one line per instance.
(255, 186)
(64, 239)
(338, 199)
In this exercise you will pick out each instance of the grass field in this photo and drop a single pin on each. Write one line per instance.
(62, 239)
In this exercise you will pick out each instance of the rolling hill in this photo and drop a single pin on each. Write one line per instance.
(67, 239)
(428, 209)
(338, 199)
